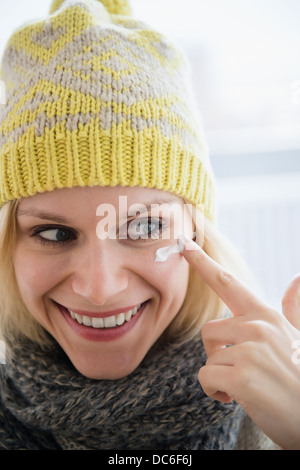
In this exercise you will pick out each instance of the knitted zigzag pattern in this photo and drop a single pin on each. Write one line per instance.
(95, 97)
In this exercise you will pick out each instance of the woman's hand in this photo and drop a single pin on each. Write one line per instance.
(261, 368)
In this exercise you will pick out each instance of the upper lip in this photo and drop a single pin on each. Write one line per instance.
(103, 314)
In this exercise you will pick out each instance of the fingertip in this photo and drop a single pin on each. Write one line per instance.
(190, 245)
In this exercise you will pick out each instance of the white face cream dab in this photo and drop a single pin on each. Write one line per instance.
(162, 254)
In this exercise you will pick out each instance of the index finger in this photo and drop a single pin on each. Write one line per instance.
(235, 294)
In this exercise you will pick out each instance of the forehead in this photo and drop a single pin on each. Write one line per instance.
(80, 199)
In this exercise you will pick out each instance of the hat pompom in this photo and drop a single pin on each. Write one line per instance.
(117, 7)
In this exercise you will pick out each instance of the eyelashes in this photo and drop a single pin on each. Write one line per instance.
(144, 229)
(54, 235)
(139, 230)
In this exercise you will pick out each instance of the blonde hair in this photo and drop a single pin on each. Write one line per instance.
(200, 305)
(15, 320)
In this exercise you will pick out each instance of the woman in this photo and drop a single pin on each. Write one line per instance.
(101, 155)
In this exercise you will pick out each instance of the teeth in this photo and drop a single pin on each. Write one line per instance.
(87, 321)
(97, 322)
(107, 322)
(128, 315)
(120, 319)
(79, 318)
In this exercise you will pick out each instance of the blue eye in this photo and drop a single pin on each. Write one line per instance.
(145, 229)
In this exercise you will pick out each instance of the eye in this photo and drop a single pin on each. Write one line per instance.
(53, 235)
(57, 235)
(145, 229)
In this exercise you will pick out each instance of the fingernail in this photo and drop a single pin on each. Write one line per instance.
(190, 245)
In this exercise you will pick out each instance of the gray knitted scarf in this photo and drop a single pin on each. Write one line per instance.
(47, 404)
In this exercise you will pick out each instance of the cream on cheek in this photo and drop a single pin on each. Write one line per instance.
(162, 254)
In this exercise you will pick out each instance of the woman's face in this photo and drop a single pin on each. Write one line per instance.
(85, 267)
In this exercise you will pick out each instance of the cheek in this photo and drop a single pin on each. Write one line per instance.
(35, 273)
(175, 275)
(170, 278)
(171, 282)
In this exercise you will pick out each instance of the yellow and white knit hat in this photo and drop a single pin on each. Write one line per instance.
(95, 97)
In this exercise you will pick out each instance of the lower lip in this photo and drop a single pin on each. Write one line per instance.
(101, 334)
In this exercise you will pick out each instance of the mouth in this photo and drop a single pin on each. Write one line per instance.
(111, 321)
(102, 326)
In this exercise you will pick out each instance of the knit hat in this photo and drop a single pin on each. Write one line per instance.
(95, 97)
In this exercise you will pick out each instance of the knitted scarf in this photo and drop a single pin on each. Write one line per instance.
(47, 404)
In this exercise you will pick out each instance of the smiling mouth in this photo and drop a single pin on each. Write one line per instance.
(106, 322)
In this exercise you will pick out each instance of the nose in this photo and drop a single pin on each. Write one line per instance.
(99, 274)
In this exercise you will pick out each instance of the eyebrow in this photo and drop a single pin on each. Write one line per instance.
(45, 215)
(40, 214)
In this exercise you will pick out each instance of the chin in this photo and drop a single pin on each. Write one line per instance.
(109, 368)
(95, 374)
